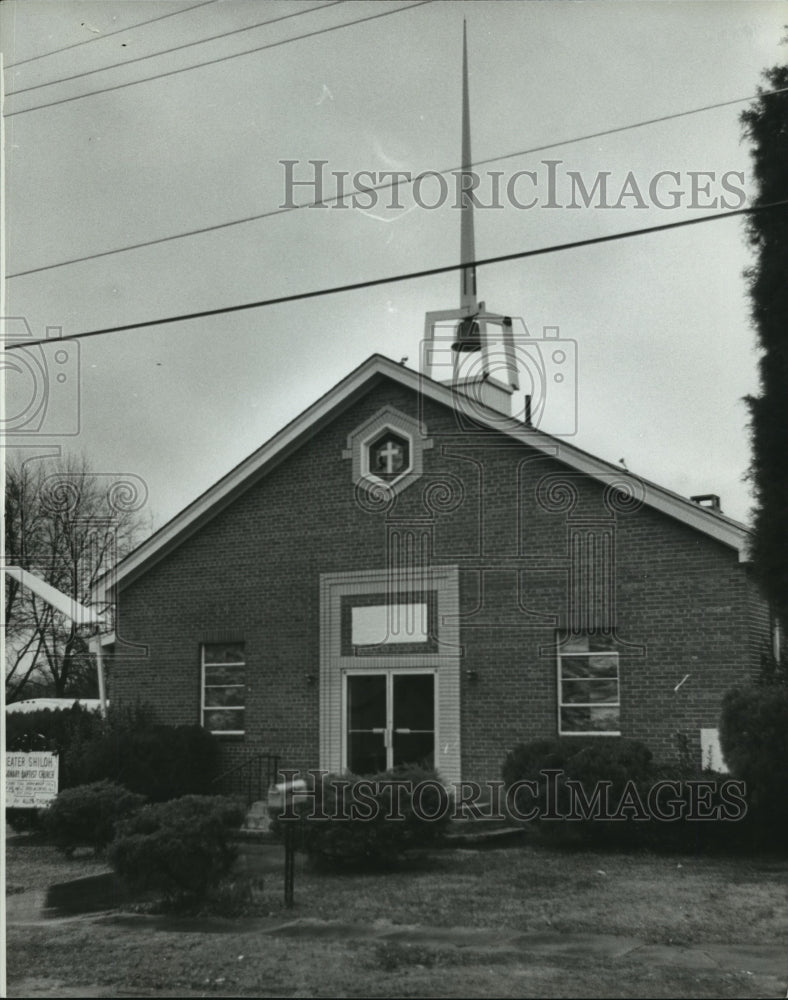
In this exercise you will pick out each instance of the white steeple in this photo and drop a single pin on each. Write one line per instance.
(467, 242)
(469, 348)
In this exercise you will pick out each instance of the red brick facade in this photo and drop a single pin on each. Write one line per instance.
(525, 531)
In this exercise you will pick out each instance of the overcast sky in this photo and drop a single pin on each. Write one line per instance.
(665, 347)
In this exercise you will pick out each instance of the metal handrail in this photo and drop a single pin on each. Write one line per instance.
(252, 778)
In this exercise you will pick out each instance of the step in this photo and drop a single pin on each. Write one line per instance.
(257, 819)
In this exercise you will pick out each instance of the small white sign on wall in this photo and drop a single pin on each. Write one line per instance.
(710, 751)
(31, 779)
(385, 624)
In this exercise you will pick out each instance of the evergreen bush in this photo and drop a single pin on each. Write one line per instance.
(160, 762)
(586, 763)
(611, 793)
(754, 742)
(85, 816)
(181, 848)
(128, 748)
(374, 820)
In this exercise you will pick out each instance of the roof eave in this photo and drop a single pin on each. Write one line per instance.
(276, 449)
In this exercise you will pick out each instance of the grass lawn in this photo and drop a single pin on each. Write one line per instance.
(660, 899)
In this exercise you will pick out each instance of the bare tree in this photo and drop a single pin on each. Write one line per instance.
(67, 524)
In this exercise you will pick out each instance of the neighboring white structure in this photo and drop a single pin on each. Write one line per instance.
(80, 615)
(53, 704)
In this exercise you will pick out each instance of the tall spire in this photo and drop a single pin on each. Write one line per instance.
(469, 348)
(467, 243)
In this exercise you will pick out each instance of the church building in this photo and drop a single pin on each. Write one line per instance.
(420, 568)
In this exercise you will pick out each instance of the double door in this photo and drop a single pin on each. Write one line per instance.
(389, 720)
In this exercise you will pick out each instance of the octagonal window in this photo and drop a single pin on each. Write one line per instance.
(389, 456)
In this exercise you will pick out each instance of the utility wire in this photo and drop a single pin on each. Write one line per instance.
(108, 34)
(428, 272)
(175, 48)
(327, 202)
(647, 121)
(220, 59)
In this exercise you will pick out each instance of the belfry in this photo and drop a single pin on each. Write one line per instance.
(470, 348)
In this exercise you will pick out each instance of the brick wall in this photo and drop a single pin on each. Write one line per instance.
(510, 519)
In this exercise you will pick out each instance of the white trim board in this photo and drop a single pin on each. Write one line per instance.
(444, 660)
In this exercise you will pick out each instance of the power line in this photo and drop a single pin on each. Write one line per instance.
(428, 272)
(283, 210)
(647, 121)
(175, 48)
(220, 59)
(108, 34)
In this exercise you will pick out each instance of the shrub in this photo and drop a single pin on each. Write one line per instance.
(128, 748)
(625, 814)
(584, 764)
(754, 741)
(350, 819)
(86, 815)
(160, 762)
(179, 848)
(55, 730)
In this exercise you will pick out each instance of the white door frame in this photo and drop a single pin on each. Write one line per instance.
(444, 658)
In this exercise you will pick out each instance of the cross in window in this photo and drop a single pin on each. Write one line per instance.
(389, 455)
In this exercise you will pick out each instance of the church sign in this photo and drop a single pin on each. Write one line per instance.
(31, 779)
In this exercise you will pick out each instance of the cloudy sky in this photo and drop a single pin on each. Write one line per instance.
(120, 132)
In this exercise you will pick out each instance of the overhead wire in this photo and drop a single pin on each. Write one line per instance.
(283, 210)
(108, 34)
(426, 272)
(174, 48)
(218, 59)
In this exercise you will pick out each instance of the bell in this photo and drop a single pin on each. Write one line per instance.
(468, 337)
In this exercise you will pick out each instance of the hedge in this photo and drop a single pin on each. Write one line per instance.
(86, 815)
(179, 848)
(374, 820)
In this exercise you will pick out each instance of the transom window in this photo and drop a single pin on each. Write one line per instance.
(223, 688)
(388, 624)
(588, 687)
(385, 624)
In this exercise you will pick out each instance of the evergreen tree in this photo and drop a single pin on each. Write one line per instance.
(766, 126)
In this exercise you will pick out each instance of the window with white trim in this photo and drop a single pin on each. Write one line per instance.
(588, 687)
(387, 456)
(223, 688)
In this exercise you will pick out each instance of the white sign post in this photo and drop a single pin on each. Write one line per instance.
(31, 779)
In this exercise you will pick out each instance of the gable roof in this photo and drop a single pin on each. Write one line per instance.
(376, 368)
